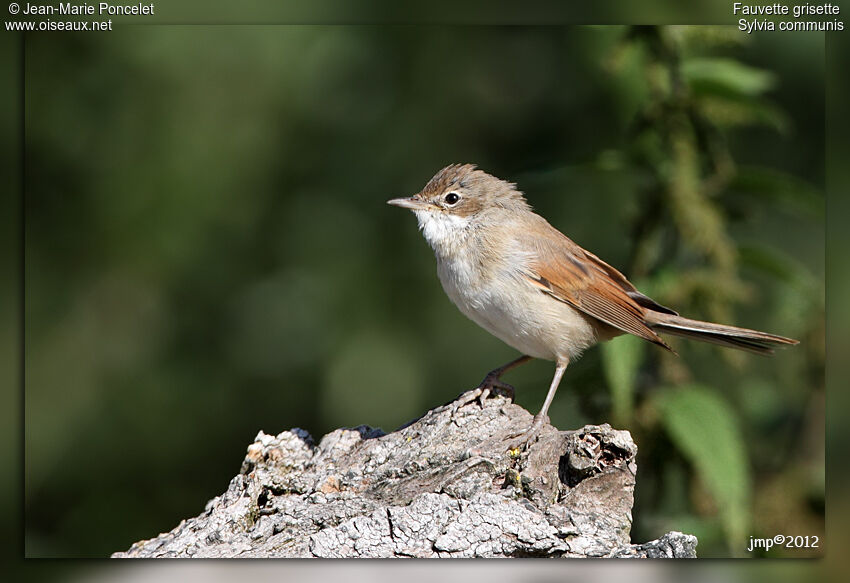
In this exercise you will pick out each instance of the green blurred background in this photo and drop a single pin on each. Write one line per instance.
(208, 254)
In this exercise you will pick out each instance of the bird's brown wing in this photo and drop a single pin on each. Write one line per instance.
(625, 284)
(569, 274)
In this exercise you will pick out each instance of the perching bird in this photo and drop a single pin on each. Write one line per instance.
(518, 277)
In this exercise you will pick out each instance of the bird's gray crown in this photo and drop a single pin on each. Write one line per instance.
(479, 189)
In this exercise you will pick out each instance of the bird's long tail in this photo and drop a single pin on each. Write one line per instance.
(731, 336)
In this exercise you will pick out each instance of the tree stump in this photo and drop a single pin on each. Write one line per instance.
(444, 485)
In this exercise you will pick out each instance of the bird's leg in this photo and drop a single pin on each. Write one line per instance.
(492, 381)
(539, 419)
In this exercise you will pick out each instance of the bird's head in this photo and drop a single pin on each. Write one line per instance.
(456, 200)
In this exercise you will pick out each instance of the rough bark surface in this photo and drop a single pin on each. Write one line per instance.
(444, 485)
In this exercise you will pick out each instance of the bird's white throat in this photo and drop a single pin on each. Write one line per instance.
(443, 231)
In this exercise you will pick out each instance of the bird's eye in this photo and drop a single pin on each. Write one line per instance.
(451, 198)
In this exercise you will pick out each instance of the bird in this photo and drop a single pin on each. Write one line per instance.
(529, 285)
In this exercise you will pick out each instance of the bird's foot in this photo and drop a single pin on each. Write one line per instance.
(490, 385)
(518, 442)
(493, 384)
(514, 444)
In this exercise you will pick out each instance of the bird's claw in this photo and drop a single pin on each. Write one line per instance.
(520, 441)
(492, 384)
(489, 386)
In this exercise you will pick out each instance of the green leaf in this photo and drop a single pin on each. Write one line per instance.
(778, 189)
(725, 77)
(774, 262)
(621, 359)
(732, 111)
(705, 429)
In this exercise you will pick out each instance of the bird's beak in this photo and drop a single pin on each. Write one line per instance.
(413, 203)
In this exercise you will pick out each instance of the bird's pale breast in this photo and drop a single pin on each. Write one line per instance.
(503, 302)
